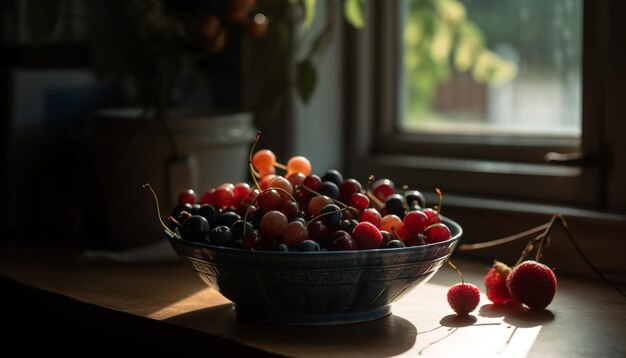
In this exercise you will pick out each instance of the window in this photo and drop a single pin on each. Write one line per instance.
(500, 67)
(469, 146)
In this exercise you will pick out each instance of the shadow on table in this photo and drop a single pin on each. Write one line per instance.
(387, 336)
(517, 315)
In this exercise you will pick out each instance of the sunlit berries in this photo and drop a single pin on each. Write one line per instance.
(290, 208)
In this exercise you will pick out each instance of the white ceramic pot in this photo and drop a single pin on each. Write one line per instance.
(129, 150)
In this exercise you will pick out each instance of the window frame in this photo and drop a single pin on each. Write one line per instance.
(494, 167)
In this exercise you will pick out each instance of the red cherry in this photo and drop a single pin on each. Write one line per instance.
(433, 216)
(282, 183)
(290, 209)
(359, 201)
(252, 240)
(382, 188)
(208, 197)
(269, 200)
(295, 232)
(371, 215)
(463, 298)
(240, 192)
(313, 182)
(187, 197)
(415, 222)
(223, 196)
(265, 181)
(318, 232)
(437, 233)
(296, 179)
(347, 188)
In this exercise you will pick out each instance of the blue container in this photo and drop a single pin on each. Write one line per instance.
(316, 288)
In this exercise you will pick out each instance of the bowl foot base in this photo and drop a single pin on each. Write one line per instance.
(334, 319)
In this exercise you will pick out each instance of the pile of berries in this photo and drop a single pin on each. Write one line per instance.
(301, 211)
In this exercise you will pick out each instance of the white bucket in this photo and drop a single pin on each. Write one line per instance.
(130, 151)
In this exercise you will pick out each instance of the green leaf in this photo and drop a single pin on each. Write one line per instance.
(42, 18)
(353, 10)
(306, 79)
(271, 97)
(309, 13)
(317, 44)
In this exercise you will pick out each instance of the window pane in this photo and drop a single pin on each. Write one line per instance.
(492, 67)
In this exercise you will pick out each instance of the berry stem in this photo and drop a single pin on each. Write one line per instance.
(374, 199)
(280, 166)
(147, 185)
(245, 216)
(570, 236)
(504, 240)
(253, 171)
(338, 202)
(324, 214)
(440, 205)
(457, 270)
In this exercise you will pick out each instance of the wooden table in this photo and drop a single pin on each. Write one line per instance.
(161, 308)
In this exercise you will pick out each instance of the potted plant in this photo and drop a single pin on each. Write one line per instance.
(171, 135)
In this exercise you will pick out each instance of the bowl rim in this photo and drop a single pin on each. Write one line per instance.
(447, 221)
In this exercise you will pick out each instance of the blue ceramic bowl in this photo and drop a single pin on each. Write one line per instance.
(316, 288)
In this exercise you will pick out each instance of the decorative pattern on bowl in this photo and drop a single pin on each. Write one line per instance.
(316, 288)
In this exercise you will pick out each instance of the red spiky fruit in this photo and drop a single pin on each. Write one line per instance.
(495, 282)
(463, 298)
(367, 236)
(533, 284)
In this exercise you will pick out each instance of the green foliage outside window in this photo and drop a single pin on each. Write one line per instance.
(439, 39)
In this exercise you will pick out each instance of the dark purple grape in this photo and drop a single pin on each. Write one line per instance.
(308, 246)
(239, 228)
(333, 176)
(330, 189)
(221, 236)
(394, 204)
(394, 244)
(332, 215)
(195, 229)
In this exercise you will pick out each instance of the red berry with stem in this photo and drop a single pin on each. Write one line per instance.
(264, 160)
(296, 179)
(495, 283)
(437, 233)
(533, 284)
(313, 182)
(463, 297)
(382, 188)
(359, 201)
(282, 183)
(290, 209)
(415, 222)
(298, 164)
(432, 215)
(269, 200)
(347, 188)
(317, 203)
(265, 181)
